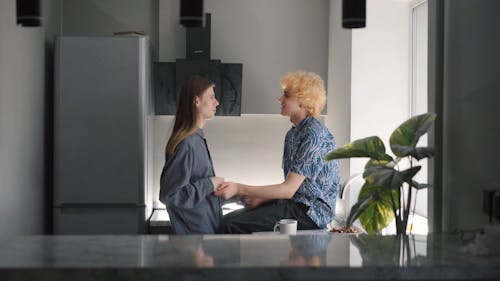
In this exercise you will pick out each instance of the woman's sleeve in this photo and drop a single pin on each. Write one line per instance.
(176, 188)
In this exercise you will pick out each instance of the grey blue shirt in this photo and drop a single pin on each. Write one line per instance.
(305, 146)
(186, 188)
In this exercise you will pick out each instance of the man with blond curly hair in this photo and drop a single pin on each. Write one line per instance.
(309, 191)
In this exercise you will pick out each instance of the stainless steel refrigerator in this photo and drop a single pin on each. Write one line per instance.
(102, 110)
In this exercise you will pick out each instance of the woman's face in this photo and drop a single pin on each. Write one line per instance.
(289, 104)
(207, 104)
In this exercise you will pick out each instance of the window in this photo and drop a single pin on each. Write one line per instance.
(418, 100)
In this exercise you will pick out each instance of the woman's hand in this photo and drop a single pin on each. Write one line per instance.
(227, 190)
(217, 181)
(252, 202)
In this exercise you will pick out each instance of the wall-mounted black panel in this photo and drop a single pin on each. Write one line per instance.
(230, 89)
(207, 68)
(168, 79)
(165, 93)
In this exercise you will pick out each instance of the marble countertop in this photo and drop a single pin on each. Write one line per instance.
(320, 256)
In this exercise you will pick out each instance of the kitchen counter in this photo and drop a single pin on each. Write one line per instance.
(320, 256)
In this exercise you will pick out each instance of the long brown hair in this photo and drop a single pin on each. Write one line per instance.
(186, 118)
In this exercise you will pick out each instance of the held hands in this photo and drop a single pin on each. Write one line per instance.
(217, 181)
(227, 190)
(252, 202)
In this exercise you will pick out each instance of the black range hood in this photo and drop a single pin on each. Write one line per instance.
(169, 76)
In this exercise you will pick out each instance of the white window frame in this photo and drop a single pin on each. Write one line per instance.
(418, 105)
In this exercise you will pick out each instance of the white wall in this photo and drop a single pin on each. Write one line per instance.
(379, 81)
(23, 90)
(338, 119)
(270, 38)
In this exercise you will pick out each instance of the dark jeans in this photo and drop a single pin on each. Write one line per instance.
(265, 216)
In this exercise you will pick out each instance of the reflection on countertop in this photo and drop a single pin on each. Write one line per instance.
(321, 256)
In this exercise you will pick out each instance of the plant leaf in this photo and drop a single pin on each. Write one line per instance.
(378, 213)
(416, 152)
(381, 175)
(372, 147)
(357, 209)
(419, 186)
(374, 162)
(408, 174)
(408, 133)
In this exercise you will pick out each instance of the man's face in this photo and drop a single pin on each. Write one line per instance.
(289, 105)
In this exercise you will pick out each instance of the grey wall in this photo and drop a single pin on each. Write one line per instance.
(466, 78)
(104, 17)
(270, 38)
(24, 88)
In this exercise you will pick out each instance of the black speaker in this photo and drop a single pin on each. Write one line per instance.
(191, 13)
(28, 12)
(353, 13)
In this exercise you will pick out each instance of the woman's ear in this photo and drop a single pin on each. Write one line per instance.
(196, 101)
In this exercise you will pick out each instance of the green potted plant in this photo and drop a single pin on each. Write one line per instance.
(389, 186)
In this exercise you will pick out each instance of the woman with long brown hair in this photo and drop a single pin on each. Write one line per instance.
(188, 179)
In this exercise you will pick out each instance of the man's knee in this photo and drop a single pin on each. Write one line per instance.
(230, 225)
(225, 226)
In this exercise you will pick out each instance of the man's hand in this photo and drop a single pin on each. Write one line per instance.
(227, 190)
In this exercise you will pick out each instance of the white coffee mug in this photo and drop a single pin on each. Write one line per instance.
(286, 226)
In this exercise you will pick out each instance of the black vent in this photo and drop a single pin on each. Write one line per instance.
(169, 76)
(198, 41)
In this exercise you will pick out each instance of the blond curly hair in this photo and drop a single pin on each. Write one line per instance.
(308, 88)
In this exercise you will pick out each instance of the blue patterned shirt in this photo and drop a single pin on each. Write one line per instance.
(305, 146)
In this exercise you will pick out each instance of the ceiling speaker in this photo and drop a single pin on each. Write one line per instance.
(28, 13)
(353, 13)
(191, 13)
